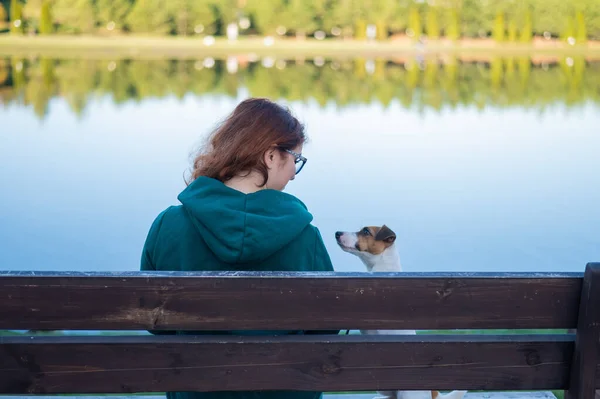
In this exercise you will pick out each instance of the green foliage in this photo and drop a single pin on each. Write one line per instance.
(149, 17)
(112, 12)
(229, 10)
(432, 24)
(398, 17)
(475, 16)
(346, 14)
(267, 14)
(381, 13)
(592, 18)
(299, 17)
(527, 28)
(3, 13)
(382, 30)
(581, 35)
(32, 12)
(189, 14)
(512, 20)
(16, 17)
(549, 15)
(499, 28)
(512, 31)
(414, 22)
(303, 17)
(76, 16)
(453, 27)
(360, 30)
(569, 28)
(46, 25)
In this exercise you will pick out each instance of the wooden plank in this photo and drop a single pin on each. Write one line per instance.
(129, 364)
(587, 343)
(246, 300)
(469, 395)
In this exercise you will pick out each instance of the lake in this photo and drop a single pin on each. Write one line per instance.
(477, 165)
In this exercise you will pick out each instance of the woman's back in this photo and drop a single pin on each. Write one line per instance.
(234, 216)
(220, 229)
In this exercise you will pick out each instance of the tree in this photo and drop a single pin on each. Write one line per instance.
(432, 24)
(414, 22)
(348, 15)
(398, 21)
(592, 19)
(499, 28)
(380, 13)
(46, 25)
(305, 16)
(512, 31)
(229, 10)
(505, 19)
(149, 16)
(319, 10)
(475, 16)
(74, 15)
(569, 28)
(527, 28)
(360, 29)
(3, 13)
(16, 17)
(112, 14)
(32, 11)
(266, 14)
(549, 15)
(581, 35)
(453, 28)
(299, 18)
(188, 14)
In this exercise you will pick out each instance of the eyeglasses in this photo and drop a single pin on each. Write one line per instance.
(299, 160)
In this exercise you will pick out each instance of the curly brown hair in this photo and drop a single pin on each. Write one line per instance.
(239, 142)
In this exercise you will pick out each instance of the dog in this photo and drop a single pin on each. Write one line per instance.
(376, 248)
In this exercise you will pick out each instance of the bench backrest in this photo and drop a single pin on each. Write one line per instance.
(244, 301)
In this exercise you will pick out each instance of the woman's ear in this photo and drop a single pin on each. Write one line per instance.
(270, 157)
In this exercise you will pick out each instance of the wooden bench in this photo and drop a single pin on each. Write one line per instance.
(164, 301)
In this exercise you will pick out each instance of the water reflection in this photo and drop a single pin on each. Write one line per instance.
(472, 161)
(416, 82)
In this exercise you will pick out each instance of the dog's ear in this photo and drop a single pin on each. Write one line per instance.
(385, 234)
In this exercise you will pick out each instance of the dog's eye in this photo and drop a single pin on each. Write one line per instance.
(366, 232)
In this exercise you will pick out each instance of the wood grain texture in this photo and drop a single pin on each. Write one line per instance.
(213, 301)
(469, 395)
(130, 364)
(587, 345)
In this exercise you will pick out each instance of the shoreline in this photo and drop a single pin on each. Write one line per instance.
(186, 47)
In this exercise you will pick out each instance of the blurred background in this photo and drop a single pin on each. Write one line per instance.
(500, 20)
(469, 127)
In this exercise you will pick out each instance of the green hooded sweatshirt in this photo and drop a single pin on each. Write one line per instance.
(217, 228)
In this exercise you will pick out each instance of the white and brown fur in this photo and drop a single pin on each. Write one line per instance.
(376, 248)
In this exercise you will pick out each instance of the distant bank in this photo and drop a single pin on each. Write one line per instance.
(188, 47)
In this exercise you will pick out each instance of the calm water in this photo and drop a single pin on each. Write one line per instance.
(477, 166)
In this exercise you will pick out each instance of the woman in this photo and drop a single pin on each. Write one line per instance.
(234, 215)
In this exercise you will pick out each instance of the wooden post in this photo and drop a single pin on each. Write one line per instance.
(585, 358)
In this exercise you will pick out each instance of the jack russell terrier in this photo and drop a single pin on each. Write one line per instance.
(375, 246)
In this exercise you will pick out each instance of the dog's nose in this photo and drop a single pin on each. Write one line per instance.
(338, 234)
